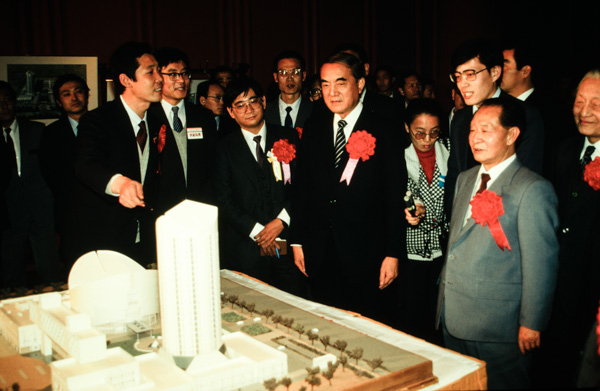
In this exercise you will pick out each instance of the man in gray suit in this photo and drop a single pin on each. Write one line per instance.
(500, 272)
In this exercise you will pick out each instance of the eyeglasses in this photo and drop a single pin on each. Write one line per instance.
(173, 76)
(434, 134)
(469, 74)
(289, 72)
(315, 91)
(216, 97)
(254, 102)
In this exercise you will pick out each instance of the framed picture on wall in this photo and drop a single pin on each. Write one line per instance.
(33, 78)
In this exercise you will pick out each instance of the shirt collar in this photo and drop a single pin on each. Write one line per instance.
(496, 95)
(133, 117)
(498, 169)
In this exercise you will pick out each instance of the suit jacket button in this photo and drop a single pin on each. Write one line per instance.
(332, 201)
(574, 194)
(565, 230)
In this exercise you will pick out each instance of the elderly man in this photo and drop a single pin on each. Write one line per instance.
(577, 169)
(500, 273)
(348, 218)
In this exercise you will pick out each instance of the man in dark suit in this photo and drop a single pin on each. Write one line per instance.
(290, 109)
(57, 151)
(348, 235)
(253, 191)
(117, 162)
(186, 160)
(578, 289)
(26, 199)
(210, 96)
(520, 78)
(500, 271)
(477, 70)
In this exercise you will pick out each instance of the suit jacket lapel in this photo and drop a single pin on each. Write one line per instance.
(128, 134)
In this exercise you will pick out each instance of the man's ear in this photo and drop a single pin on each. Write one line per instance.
(361, 85)
(230, 111)
(513, 134)
(276, 77)
(526, 71)
(496, 72)
(125, 80)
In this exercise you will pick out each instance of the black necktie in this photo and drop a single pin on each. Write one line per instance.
(288, 118)
(484, 180)
(177, 126)
(142, 135)
(587, 156)
(340, 142)
(11, 148)
(260, 155)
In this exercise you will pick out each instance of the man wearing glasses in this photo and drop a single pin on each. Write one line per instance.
(253, 191)
(290, 109)
(187, 156)
(477, 71)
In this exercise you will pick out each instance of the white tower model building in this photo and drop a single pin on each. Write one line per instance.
(189, 279)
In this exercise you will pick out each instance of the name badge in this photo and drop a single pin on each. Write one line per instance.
(195, 134)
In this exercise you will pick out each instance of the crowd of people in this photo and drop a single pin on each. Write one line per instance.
(471, 228)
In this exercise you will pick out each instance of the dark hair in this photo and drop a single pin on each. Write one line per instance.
(222, 68)
(353, 47)
(124, 60)
(352, 62)
(488, 53)
(12, 94)
(524, 54)
(203, 88)
(389, 70)
(513, 113)
(289, 54)
(241, 87)
(419, 106)
(166, 56)
(64, 79)
(407, 74)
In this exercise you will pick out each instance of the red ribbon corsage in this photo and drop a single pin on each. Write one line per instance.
(361, 145)
(591, 173)
(486, 208)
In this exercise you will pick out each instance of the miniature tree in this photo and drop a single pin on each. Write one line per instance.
(276, 320)
(325, 341)
(375, 363)
(313, 381)
(242, 305)
(341, 346)
(343, 360)
(224, 298)
(251, 307)
(356, 354)
(312, 337)
(233, 299)
(270, 384)
(288, 322)
(303, 388)
(299, 329)
(286, 382)
(312, 371)
(268, 313)
(328, 374)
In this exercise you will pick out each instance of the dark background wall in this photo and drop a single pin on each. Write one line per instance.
(403, 34)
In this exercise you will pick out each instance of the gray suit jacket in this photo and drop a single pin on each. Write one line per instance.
(488, 293)
(304, 112)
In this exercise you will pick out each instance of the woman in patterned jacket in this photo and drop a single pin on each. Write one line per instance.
(426, 162)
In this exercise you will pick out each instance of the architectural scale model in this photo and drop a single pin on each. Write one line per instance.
(101, 334)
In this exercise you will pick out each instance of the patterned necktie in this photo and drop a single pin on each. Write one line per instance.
(142, 136)
(484, 180)
(340, 142)
(288, 118)
(177, 126)
(11, 148)
(260, 155)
